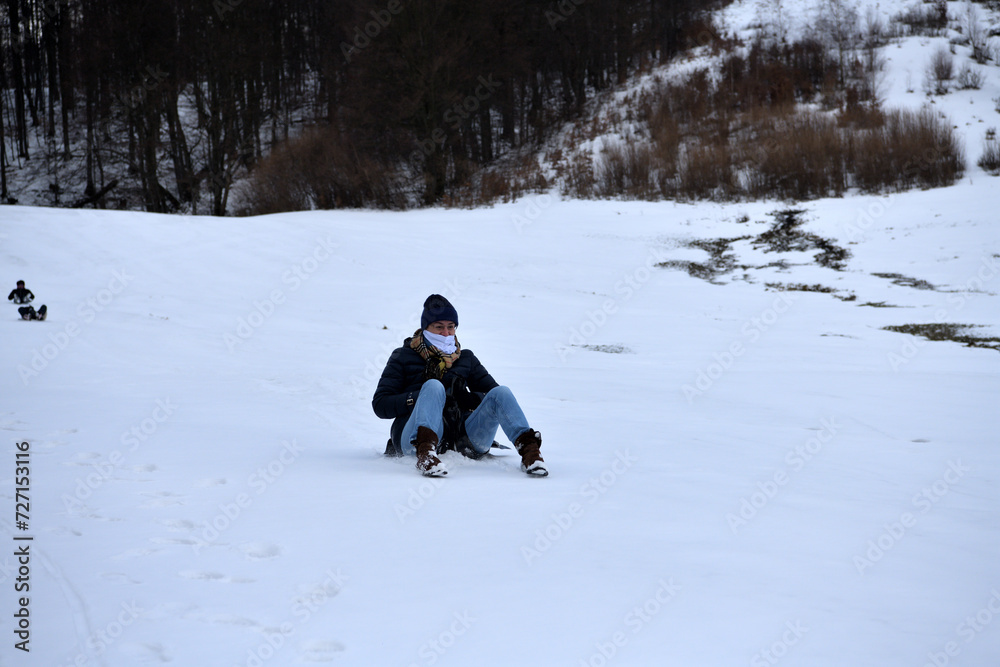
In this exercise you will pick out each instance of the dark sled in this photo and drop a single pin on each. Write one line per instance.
(463, 447)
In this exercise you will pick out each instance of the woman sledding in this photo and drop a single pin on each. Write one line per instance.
(442, 398)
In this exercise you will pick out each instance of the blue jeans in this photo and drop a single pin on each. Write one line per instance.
(499, 409)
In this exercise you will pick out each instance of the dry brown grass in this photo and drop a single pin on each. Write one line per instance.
(707, 172)
(990, 159)
(320, 170)
(521, 176)
(911, 149)
(796, 156)
(742, 134)
(626, 169)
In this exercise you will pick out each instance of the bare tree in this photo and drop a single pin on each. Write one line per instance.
(874, 62)
(838, 26)
(773, 20)
(16, 39)
(977, 33)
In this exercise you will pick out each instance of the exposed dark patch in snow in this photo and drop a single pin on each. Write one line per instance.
(906, 281)
(948, 331)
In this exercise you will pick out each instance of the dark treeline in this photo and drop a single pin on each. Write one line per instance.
(179, 95)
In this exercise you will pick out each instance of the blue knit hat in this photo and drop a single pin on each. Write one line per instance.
(436, 308)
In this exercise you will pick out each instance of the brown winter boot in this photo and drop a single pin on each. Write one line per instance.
(528, 445)
(427, 461)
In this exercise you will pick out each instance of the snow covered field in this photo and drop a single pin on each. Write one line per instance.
(743, 472)
(739, 474)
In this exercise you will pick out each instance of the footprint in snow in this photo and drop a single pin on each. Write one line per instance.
(206, 483)
(146, 652)
(82, 459)
(179, 525)
(16, 425)
(259, 551)
(176, 540)
(198, 575)
(229, 619)
(134, 553)
(202, 576)
(162, 499)
(280, 387)
(312, 595)
(321, 651)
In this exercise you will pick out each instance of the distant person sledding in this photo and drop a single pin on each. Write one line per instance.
(22, 295)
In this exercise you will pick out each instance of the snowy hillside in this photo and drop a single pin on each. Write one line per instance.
(747, 466)
(739, 473)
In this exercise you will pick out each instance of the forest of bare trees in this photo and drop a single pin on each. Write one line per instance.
(177, 97)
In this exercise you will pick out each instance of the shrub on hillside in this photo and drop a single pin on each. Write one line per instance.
(970, 78)
(320, 170)
(798, 156)
(940, 70)
(990, 159)
(791, 155)
(737, 143)
(926, 19)
(625, 169)
(911, 149)
(518, 177)
(706, 172)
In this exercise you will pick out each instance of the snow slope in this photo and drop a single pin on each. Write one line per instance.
(741, 473)
(738, 474)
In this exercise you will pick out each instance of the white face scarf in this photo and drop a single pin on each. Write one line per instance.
(444, 343)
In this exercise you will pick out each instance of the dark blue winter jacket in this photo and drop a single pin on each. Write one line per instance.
(20, 295)
(404, 375)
